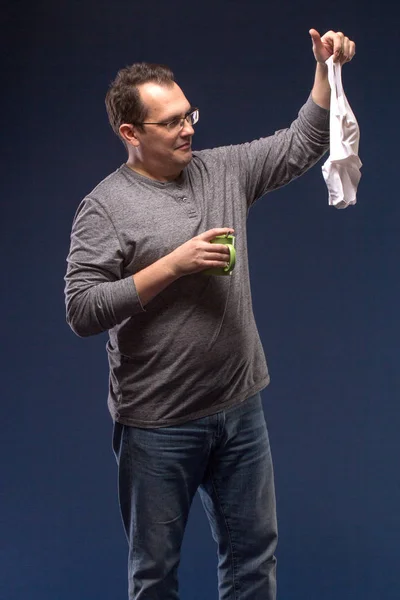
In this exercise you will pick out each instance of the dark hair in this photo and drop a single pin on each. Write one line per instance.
(123, 101)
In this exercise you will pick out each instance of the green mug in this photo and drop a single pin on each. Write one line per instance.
(229, 240)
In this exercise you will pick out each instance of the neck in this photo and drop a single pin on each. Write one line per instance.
(151, 173)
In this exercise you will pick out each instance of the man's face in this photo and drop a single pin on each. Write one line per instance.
(163, 150)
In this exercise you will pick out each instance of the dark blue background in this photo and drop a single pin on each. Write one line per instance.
(325, 289)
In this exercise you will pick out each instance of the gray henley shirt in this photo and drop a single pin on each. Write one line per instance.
(195, 348)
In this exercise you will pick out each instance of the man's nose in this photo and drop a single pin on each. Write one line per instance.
(187, 128)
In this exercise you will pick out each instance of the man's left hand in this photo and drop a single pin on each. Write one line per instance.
(336, 43)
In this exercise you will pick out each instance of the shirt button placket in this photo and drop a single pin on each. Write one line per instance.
(191, 211)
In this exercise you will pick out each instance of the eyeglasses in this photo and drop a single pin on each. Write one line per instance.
(192, 117)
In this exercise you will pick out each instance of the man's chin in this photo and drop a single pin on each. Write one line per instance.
(186, 157)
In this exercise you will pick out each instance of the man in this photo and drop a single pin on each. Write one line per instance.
(186, 362)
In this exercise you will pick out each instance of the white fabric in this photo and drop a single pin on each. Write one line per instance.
(342, 169)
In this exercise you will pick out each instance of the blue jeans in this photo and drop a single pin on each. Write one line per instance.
(227, 458)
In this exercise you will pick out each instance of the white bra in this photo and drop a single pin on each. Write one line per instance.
(342, 169)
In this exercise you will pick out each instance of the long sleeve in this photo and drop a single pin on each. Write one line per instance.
(98, 295)
(272, 162)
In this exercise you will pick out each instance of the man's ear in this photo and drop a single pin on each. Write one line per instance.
(129, 134)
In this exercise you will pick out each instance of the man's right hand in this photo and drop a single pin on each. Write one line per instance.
(193, 256)
(198, 254)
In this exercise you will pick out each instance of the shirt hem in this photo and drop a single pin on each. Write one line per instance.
(212, 410)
